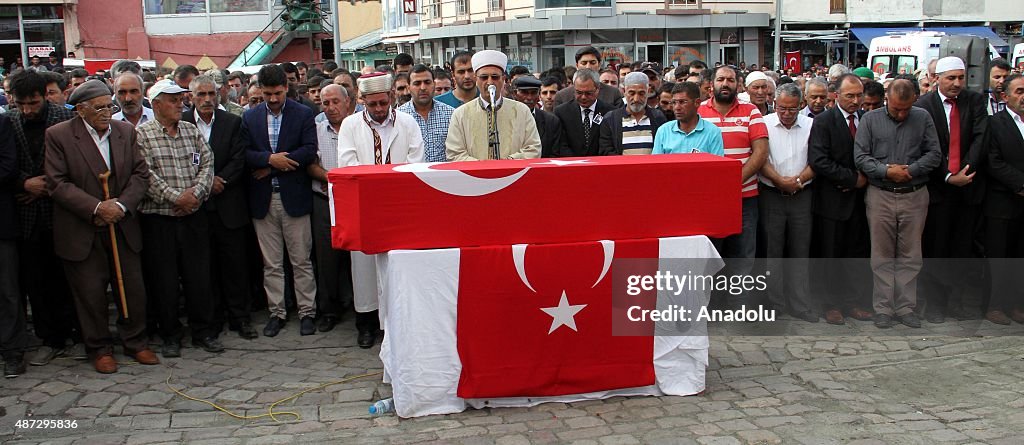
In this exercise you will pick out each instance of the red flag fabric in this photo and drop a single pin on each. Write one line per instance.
(793, 61)
(555, 336)
(377, 208)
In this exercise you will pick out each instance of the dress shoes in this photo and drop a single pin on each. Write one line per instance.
(146, 357)
(833, 316)
(306, 326)
(1018, 315)
(245, 330)
(860, 314)
(997, 317)
(366, 339)
(208, 344)
(910, 320)
(961, 314)
(326, 323)
(806, 316)
(934, 317)
(171, 349)
(273, 327)
(105, 364)
(883, 321)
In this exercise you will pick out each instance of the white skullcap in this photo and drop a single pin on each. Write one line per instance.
(374, 83)
(949, 63)
(755, 76)
(743, 97)
(489, 57)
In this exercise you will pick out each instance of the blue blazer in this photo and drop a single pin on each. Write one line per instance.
(298, 138)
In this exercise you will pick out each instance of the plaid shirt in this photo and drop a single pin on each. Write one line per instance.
(175, 164)
(30, 164)
(434, 129)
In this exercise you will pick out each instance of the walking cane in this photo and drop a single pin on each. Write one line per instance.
(113, 243)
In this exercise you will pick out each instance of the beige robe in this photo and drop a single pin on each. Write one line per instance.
(517, 132)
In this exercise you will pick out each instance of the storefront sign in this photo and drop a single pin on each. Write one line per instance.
(41, 51)
(409, 6)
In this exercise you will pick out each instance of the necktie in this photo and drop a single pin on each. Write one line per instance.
(954, 137)
(853, 126)
(378, 145)
(586, 127)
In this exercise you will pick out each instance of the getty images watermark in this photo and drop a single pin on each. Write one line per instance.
(690, 287)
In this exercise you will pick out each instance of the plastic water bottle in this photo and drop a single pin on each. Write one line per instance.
(382, 407)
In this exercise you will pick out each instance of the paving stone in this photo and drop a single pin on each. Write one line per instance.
(759, 437)
(57, 404)
(151, 398)
(150, 438)
(718, 440)
(98, 399)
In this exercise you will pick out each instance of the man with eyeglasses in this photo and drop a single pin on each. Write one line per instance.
(54, 317)
(581, 118)
(492, 127)
(175, 234)
(590, 58)
(785, 205)
(78, 150)
(128, 92)
(379, 135)
(840, 224)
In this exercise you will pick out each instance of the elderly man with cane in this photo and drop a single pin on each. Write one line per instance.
(82, 155)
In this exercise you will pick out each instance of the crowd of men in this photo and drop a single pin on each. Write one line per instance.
(201, 195)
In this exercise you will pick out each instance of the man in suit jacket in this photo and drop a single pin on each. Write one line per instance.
(77, 152)
(841, 222)
(282, 143)
(13, 335)
(643, 121)
(227, 209)
(42, 277)
(1004, 203)
(956, 190)
(589, 58)
(527, 91)
(581, 118)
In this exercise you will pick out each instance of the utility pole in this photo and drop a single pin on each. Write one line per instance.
(778, 34)
(337, 32)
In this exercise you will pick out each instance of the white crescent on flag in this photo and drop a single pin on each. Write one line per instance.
(519, 260)
(454, 182)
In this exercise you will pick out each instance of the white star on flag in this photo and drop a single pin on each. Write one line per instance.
(557, 162)
(563, 314)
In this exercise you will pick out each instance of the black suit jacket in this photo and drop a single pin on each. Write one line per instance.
(973, 123)
(1006, 166)
(228, 140)
(610, 140)
(573, 142)
(830, 153)
(8, 179)
(550, 129)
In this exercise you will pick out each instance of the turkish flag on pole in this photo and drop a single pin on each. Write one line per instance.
(793, 61)
(537, 321)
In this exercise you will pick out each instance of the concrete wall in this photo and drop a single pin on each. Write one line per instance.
(358, 19)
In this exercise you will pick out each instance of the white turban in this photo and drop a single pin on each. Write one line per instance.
(489, 57)
(374, 83)
(949, 63)
(755, 76)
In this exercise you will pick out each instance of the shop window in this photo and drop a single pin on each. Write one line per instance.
(42, 12)
(837, 6)
(238, 5)
(161, 7)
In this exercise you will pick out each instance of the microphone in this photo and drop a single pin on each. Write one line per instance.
(492, 90)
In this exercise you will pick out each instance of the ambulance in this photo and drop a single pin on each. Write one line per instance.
(1017, 58)
(907, 52)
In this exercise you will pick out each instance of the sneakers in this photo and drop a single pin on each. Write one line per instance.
(44, 355)
(208, 344)
(273, 327)
(76, 351)
(171, 349)
(14, 366)
(307, 327)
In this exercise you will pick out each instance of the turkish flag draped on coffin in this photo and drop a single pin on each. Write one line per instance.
(554, 337)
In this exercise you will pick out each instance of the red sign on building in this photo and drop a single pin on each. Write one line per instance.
(409, 6)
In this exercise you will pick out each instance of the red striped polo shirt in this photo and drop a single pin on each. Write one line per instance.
(740, 126)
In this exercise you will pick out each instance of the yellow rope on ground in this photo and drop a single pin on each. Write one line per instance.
(270, 411)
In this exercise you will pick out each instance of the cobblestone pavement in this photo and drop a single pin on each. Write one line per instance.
(868, 386)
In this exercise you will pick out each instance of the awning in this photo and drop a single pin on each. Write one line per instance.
(362, 42)
(866, 34)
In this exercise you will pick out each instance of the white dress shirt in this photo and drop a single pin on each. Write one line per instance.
(1017, 120)
(147, 115)
(103, 146)
(205, 128)
(787, 147)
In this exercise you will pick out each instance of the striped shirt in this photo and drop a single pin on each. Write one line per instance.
(175, 164)
(327, 150)
(637, 136)
(742, 125)
(434, 128)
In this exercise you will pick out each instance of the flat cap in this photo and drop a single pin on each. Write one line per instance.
(89, 90)
(526, 83)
